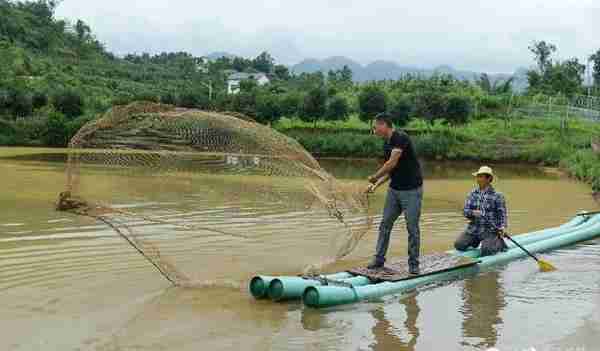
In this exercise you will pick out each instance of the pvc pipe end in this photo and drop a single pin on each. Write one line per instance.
(311, 297)
(258, 288)
(275, 290)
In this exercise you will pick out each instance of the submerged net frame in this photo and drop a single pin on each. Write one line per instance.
(162, 140)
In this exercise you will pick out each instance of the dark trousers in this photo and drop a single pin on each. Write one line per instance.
(490, 242)
(397, 202)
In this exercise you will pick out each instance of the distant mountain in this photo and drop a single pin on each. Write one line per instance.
(380, 70)
(218, 54)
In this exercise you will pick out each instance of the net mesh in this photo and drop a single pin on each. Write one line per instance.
(176, 147)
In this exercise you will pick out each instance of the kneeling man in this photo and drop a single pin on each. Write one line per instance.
(486, 211)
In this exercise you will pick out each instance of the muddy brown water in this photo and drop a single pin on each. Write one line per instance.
(69, 283)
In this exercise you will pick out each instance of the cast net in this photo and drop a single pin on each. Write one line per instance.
(125, 167)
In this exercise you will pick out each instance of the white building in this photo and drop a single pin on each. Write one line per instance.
(233, 82)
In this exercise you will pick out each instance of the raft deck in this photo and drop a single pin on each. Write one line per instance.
(429, 264)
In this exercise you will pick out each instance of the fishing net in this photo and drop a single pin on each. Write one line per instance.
(230, 158)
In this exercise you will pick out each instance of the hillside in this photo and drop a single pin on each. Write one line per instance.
(44, 55)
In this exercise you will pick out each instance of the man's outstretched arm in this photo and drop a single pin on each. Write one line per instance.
(387, 167)
(372, 187)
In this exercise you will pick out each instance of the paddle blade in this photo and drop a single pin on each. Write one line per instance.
(545, 266)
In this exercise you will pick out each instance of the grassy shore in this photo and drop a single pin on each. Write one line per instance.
(537, 141)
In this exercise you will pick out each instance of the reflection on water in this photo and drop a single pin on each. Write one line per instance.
(387, 336)
(483, 304)
(70, 283)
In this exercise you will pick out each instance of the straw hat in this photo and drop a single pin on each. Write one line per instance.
(484, 170)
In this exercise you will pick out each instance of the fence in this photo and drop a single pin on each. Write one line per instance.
(555, 107)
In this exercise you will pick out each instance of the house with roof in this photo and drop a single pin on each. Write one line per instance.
(234, 79)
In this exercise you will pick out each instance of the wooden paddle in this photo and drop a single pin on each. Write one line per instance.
(588, 213)
(544, 266)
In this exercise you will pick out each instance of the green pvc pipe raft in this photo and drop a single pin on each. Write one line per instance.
(282, 288)
(326, 296)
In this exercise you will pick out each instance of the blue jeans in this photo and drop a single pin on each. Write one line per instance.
(396, 202)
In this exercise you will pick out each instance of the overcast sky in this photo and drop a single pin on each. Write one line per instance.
(479, 35)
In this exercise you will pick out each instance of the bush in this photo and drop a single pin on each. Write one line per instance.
(122, 99)
(192, 99)
(69, 103)
(338, 144)
(585, 166)
(434, 145)
(146, 96)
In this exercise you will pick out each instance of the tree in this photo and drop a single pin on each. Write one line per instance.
(346, 75)
(595, 58)
(401, 110)
(314, 106)
(248, 85)
(341, 78)
(69, 103)
(146, 96)
(485, 83)
(56, 130)
(371, 101)
(193, 99)
(337, 109)
(39, 99)
(498, 87)
(268, 108)
(565, 77)
(83, 31)
(168, 98)
(241, 64)
(282, 72)
(20, 103)
(542, 52)
(458, 109)
(244, 102)
(291, 104)
(308, 81)
(263, 62)
(504, 86)
(430, 105)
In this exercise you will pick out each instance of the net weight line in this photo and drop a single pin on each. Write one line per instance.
(134, 245)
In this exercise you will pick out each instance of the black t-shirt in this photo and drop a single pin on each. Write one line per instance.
(407, 173)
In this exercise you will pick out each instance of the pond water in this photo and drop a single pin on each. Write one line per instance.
(71, 283)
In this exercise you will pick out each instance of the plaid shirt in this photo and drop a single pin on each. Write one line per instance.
(493, 212)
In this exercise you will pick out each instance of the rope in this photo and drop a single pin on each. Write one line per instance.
(116, 229)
